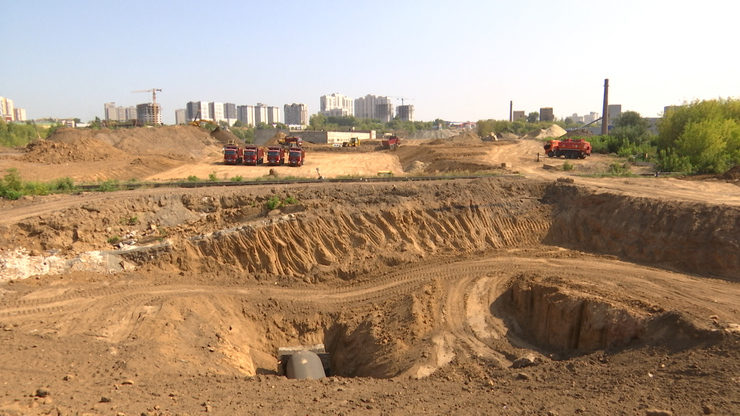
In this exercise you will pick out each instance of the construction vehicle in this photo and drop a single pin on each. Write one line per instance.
(253, 155)
(570, 148)
(291, 141)
(391, 142)
(275, 155)
(296, 156)
(353, 142)
(233, 154)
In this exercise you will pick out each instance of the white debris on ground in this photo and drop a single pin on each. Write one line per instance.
(19, 264)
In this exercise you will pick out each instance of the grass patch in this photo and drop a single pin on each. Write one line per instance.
(13, 187)
(568, 166)
(276, 202)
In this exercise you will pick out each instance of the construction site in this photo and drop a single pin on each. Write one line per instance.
(477, 277)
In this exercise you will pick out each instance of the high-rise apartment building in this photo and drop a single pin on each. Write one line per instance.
(374, 107)
(7, 109)
(273, 115)
(112, 112)
(405, 112)
(197, 110)
(230, 113)
(519, 115)
(296, 114)
(245, 114)
(19, 114)
(217, 111)
(260, 114)
(336, 105)
(180, 117)
(149, 114)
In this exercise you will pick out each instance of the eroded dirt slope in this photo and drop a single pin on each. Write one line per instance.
(499, 295)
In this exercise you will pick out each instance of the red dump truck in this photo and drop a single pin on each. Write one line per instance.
(296, 156)
(275, 155)
(391, 142)
(233, 154)
(570, 148)
(253, 155)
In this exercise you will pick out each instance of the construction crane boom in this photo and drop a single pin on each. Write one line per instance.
(153, 91)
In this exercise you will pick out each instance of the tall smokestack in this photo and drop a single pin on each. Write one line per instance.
(511, 111)
(605, 112)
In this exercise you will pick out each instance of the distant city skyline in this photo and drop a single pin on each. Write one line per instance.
(458, 61)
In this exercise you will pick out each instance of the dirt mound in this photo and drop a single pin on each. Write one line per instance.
(225, 136)
(275, 140)
(553, 131)
(175, 142)
(83, 149)
(464, 138)
(432, 134)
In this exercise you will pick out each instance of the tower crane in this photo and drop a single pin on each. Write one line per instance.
(153, 91)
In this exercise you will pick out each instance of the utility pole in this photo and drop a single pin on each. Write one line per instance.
(511, 111)
(605, 112)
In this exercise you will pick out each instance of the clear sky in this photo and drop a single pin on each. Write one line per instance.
(456, 60)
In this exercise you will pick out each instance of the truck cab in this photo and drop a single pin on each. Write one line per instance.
(275, 155)
(253, 155)
(296, 156)
(232, 154)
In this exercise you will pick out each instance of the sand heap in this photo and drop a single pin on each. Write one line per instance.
(551, 132)
(83, 145)
(81, 150)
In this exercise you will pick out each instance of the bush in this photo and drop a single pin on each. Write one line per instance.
(701, 137)
(273, 203)
(212, 177)
(193, 178)
(619, 169)
(568, 166)
(108, 186)
(237, 178)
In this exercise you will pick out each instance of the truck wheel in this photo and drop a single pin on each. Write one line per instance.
(550, 154)
(582, 155)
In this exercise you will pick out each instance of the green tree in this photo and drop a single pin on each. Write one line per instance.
(533, 117)
(705, 134)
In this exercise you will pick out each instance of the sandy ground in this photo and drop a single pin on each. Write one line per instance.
(519, 294)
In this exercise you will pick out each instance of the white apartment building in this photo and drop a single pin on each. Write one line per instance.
(112, 112)
(197, 110)
(7, 110)
(217, 111)
(245, 114)
(273, 115)
(19, 114)
(374, 107)
(336, 105)
(260, 114)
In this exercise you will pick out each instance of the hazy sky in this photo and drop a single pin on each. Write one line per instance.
(456, 60)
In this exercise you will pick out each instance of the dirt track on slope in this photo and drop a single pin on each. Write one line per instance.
(495, 295)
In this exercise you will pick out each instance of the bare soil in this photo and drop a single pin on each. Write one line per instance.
(535, 292)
